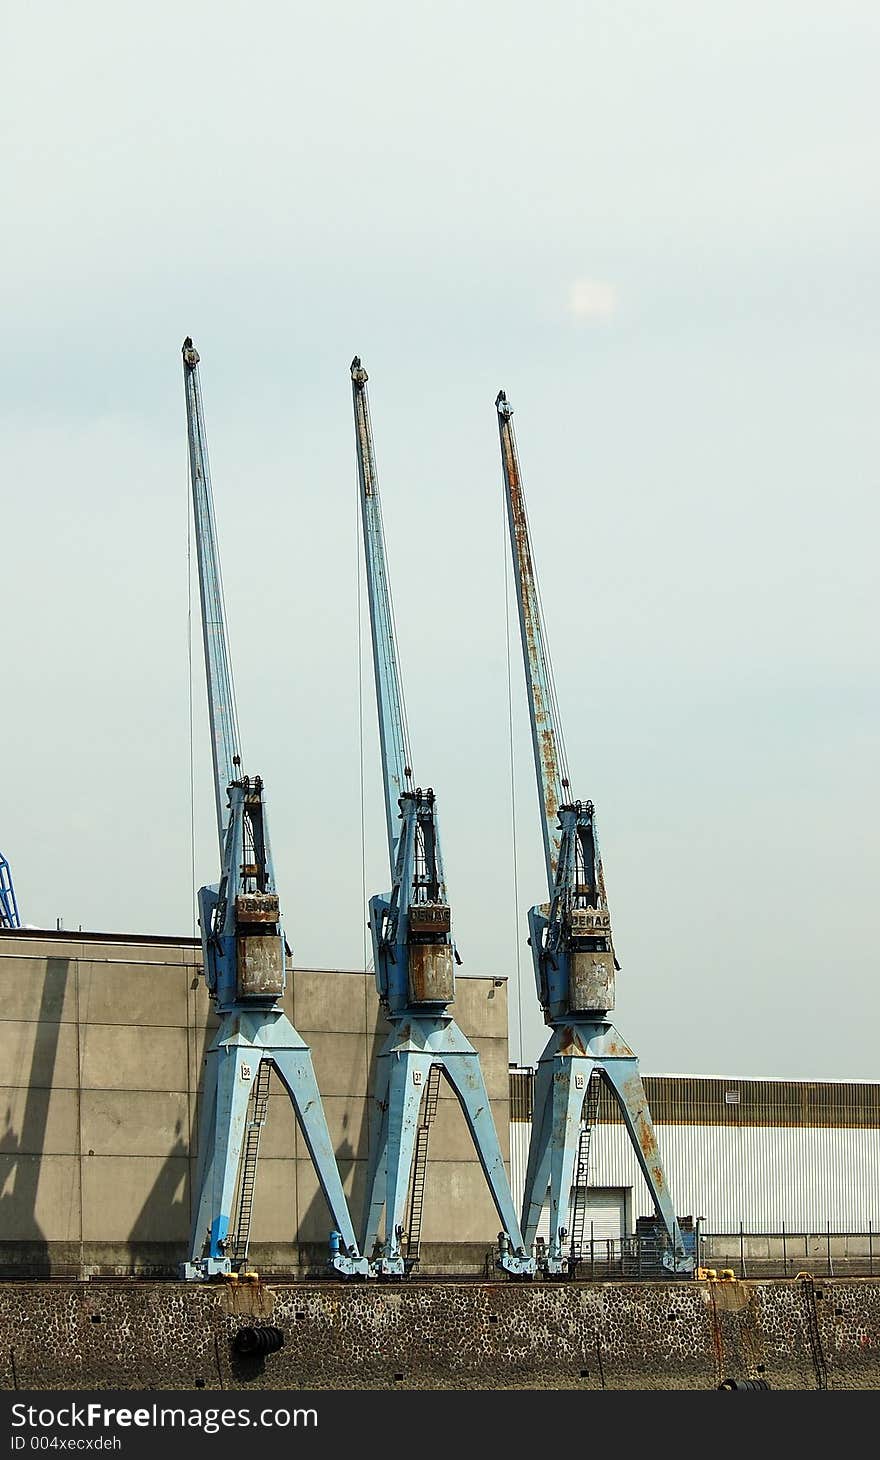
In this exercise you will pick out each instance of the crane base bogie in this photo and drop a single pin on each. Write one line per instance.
(205, 1269)
(517, 1265)
(350, 1267)
(390, 1267)
(679, 1264)
(553, 1266)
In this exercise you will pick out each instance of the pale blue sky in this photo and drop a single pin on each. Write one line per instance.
(656, 227)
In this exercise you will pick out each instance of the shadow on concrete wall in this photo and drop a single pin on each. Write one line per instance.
(166, 1209)
(18, 1202)
(160, 1235)
(317, 1219)
(203, 1039)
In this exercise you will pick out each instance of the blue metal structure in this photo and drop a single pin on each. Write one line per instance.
(573, 955)
(9, 917)
(413, 950)
(245, 953)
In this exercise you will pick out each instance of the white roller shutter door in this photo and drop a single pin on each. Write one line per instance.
(606, 1209)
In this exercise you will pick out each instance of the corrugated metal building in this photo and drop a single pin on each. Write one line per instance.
(758, 1155)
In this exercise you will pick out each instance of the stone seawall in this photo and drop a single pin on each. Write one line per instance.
(802, 1333)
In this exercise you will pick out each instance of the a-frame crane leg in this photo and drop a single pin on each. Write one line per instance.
(626, 1082)
(226, 1091)
(207, 1150)
(567, 1094)
(297, 1074)
(465, 1075)
(408, 1080)
(569, 1059)
(374, 1201)
(538, 1165)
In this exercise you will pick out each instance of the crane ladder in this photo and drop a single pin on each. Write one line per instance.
(420, 1165)
(808, 1288)
(582, 1166)
(249, 1166)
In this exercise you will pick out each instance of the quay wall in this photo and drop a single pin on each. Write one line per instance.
(800, 1333)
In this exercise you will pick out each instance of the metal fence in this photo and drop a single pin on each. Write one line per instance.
(728, 1255)
(786, 1253)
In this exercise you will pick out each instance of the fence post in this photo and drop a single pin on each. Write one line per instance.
(784, 1257)
(742, 1252)
(828, 1248)
(592, 1253)
(870, 1250)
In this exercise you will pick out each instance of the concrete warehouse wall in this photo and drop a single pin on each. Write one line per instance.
(798, 1334)
(101, 1047)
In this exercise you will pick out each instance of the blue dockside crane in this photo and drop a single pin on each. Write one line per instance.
(244, 950)
(574, 960)
(413, 955)
(9, 917)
